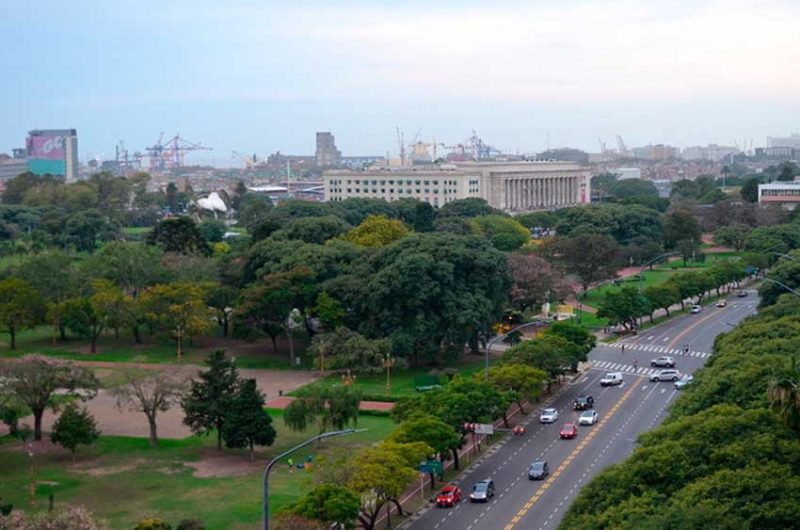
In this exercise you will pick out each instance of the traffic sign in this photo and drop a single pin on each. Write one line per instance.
(484, 428)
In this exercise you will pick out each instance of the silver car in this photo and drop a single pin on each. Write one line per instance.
(665, 375)
(683, 381)
(588, 417)
(548, 416)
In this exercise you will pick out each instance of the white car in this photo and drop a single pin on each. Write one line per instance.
(548, 416)
(588, 417)
(665, 375)
(611, 378)
(722, 303)
(683, 381)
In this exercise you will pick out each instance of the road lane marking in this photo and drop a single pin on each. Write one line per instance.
(584, 442)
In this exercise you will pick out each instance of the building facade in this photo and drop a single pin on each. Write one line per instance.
(54, 152)
(513, 187)
(327, 155)
(785, 194)
(793, 140)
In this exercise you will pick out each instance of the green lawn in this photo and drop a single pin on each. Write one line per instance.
(590, 320)
(402, 381)
(122, 480)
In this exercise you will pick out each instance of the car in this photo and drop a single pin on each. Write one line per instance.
(548, 416)
(722, 303)
(568, 431)
(583, 402)
(588, 417)
(683, 381)
(696, 309)
(482, 491)
(742, 293)
(663, 362)
(448, 497)
(611, 379)
(538, 470)
(665, 375)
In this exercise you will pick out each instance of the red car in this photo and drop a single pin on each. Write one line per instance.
(448, 497)
(568, 431)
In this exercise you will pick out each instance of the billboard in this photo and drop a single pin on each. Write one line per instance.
(46, 147)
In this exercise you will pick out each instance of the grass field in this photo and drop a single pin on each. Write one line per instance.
(122, 480)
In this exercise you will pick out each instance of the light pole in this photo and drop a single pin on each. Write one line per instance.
(641, 269)
(782, 255)
(275, 460)
(781, 284)
(388, 362)
(500, 337)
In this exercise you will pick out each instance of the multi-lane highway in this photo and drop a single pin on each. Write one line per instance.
(625, 411)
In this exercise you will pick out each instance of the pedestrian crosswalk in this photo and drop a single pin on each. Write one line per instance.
(652, 348)
(610, 366)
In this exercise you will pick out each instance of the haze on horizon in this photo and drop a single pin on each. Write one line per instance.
(261, 76)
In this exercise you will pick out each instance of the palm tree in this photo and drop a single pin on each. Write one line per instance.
(784, 394)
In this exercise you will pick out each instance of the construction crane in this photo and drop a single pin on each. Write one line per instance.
(623, 149)
(402, 146)
(170, 155)
(249, 161)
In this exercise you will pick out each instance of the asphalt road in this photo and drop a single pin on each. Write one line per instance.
(625, 412)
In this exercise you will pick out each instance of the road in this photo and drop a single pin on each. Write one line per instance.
(625, 412)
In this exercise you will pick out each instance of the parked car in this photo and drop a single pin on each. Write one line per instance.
(683, 381)
(665, 375)
(663, 362)
(742, 293)
(583, 403)
(548, 416)
(538, 470)
(568, 431)
(588, 417)
(722, 303)
(448, 497)
(482, 491)
(611, 379)
(696, 309)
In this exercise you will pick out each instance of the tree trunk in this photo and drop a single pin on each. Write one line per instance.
(521, 409)
(62, 332)
(456, 464)
(94, 344)
(666, 309)
(505, 419)
(398, 505)
(219, 435)
(13, 334)
(274, 342)
(153, 430)
(252, 452)
(37, 424)
(225, 325)
(137, 338)
(291, 347)
(116, 332)
(180, 344)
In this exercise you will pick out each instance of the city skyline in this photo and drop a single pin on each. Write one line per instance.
(265, 76)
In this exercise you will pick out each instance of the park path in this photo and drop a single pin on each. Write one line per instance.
(284, 401)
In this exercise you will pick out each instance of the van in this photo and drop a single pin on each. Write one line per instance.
(611, 379)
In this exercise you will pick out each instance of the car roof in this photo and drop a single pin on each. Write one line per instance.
(449, 488)
(568, 425)
(590, 411)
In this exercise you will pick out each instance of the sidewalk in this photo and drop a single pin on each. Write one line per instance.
(284, 401)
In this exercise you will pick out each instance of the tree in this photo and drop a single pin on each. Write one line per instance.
(150, 395)
(73, 428)
(662, 296)
(680, 225)
(329, 310)
(424, 216)
(208, 403)
(329, 407)
(749, 191)
(536, 281)
(313, 229)
(222, 299)
(505, 233)
(331, 504)
(344, 349)
(212, 230)
(247, 423)
(574, 333)
(35, 378)
(521, 381)
(632, 188)
(435, 433)
(624, 306)
(20, 307)
(84, 228)
(471, 207)
(177, 307)
(784, 394)
(180, 235)
(688, 249)
(733, 235)
(376, 231)
(130, 266)
(589, 257)
(69, 518)
(786, 272)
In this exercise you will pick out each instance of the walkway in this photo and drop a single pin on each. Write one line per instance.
(284, 401)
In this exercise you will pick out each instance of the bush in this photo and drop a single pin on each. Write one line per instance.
(151, 523)
(191, 524)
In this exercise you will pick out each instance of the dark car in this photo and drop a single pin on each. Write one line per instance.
(448, 497)
(742, 293)
(583, 403)
(538, 470)
(568, 431)
(482, 491)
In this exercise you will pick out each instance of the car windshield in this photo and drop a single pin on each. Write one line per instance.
(587, 414)
(447, 493)
(537, 466)
(549, 412)
(480, 487)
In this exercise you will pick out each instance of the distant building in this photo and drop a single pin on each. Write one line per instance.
(778, 152)
(655, 152)
(53, 151)
(711, 152)
(327, 154)
(785, 194)
(509, 186)
(625, 173)
(566, 154)
(11, 167)
(793, 140)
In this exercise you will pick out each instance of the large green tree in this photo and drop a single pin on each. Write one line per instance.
(180, 235)
(591, 257)
(328, 407)
(247, 423)
(331, 504)
(20, 307)
(74, 427)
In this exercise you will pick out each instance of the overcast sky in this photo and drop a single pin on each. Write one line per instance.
(262, 76)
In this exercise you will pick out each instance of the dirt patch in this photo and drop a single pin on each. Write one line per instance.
(99, 470)
(215, 466)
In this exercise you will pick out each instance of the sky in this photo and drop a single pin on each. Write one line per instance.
(264, 76)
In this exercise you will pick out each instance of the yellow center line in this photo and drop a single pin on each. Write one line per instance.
(575, 452)
(683, 333)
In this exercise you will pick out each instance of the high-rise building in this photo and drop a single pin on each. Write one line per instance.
(53, 151)
(327, 154)
(793, 140)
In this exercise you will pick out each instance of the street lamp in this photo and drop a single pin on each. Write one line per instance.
(275, 460)
(500, 337)
(388, 362)
(782, 255)
(641, 269)
(781, 284)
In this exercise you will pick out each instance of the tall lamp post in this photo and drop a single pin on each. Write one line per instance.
(496, 339)
(275, 460)
(781, 284)
(641, 269)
